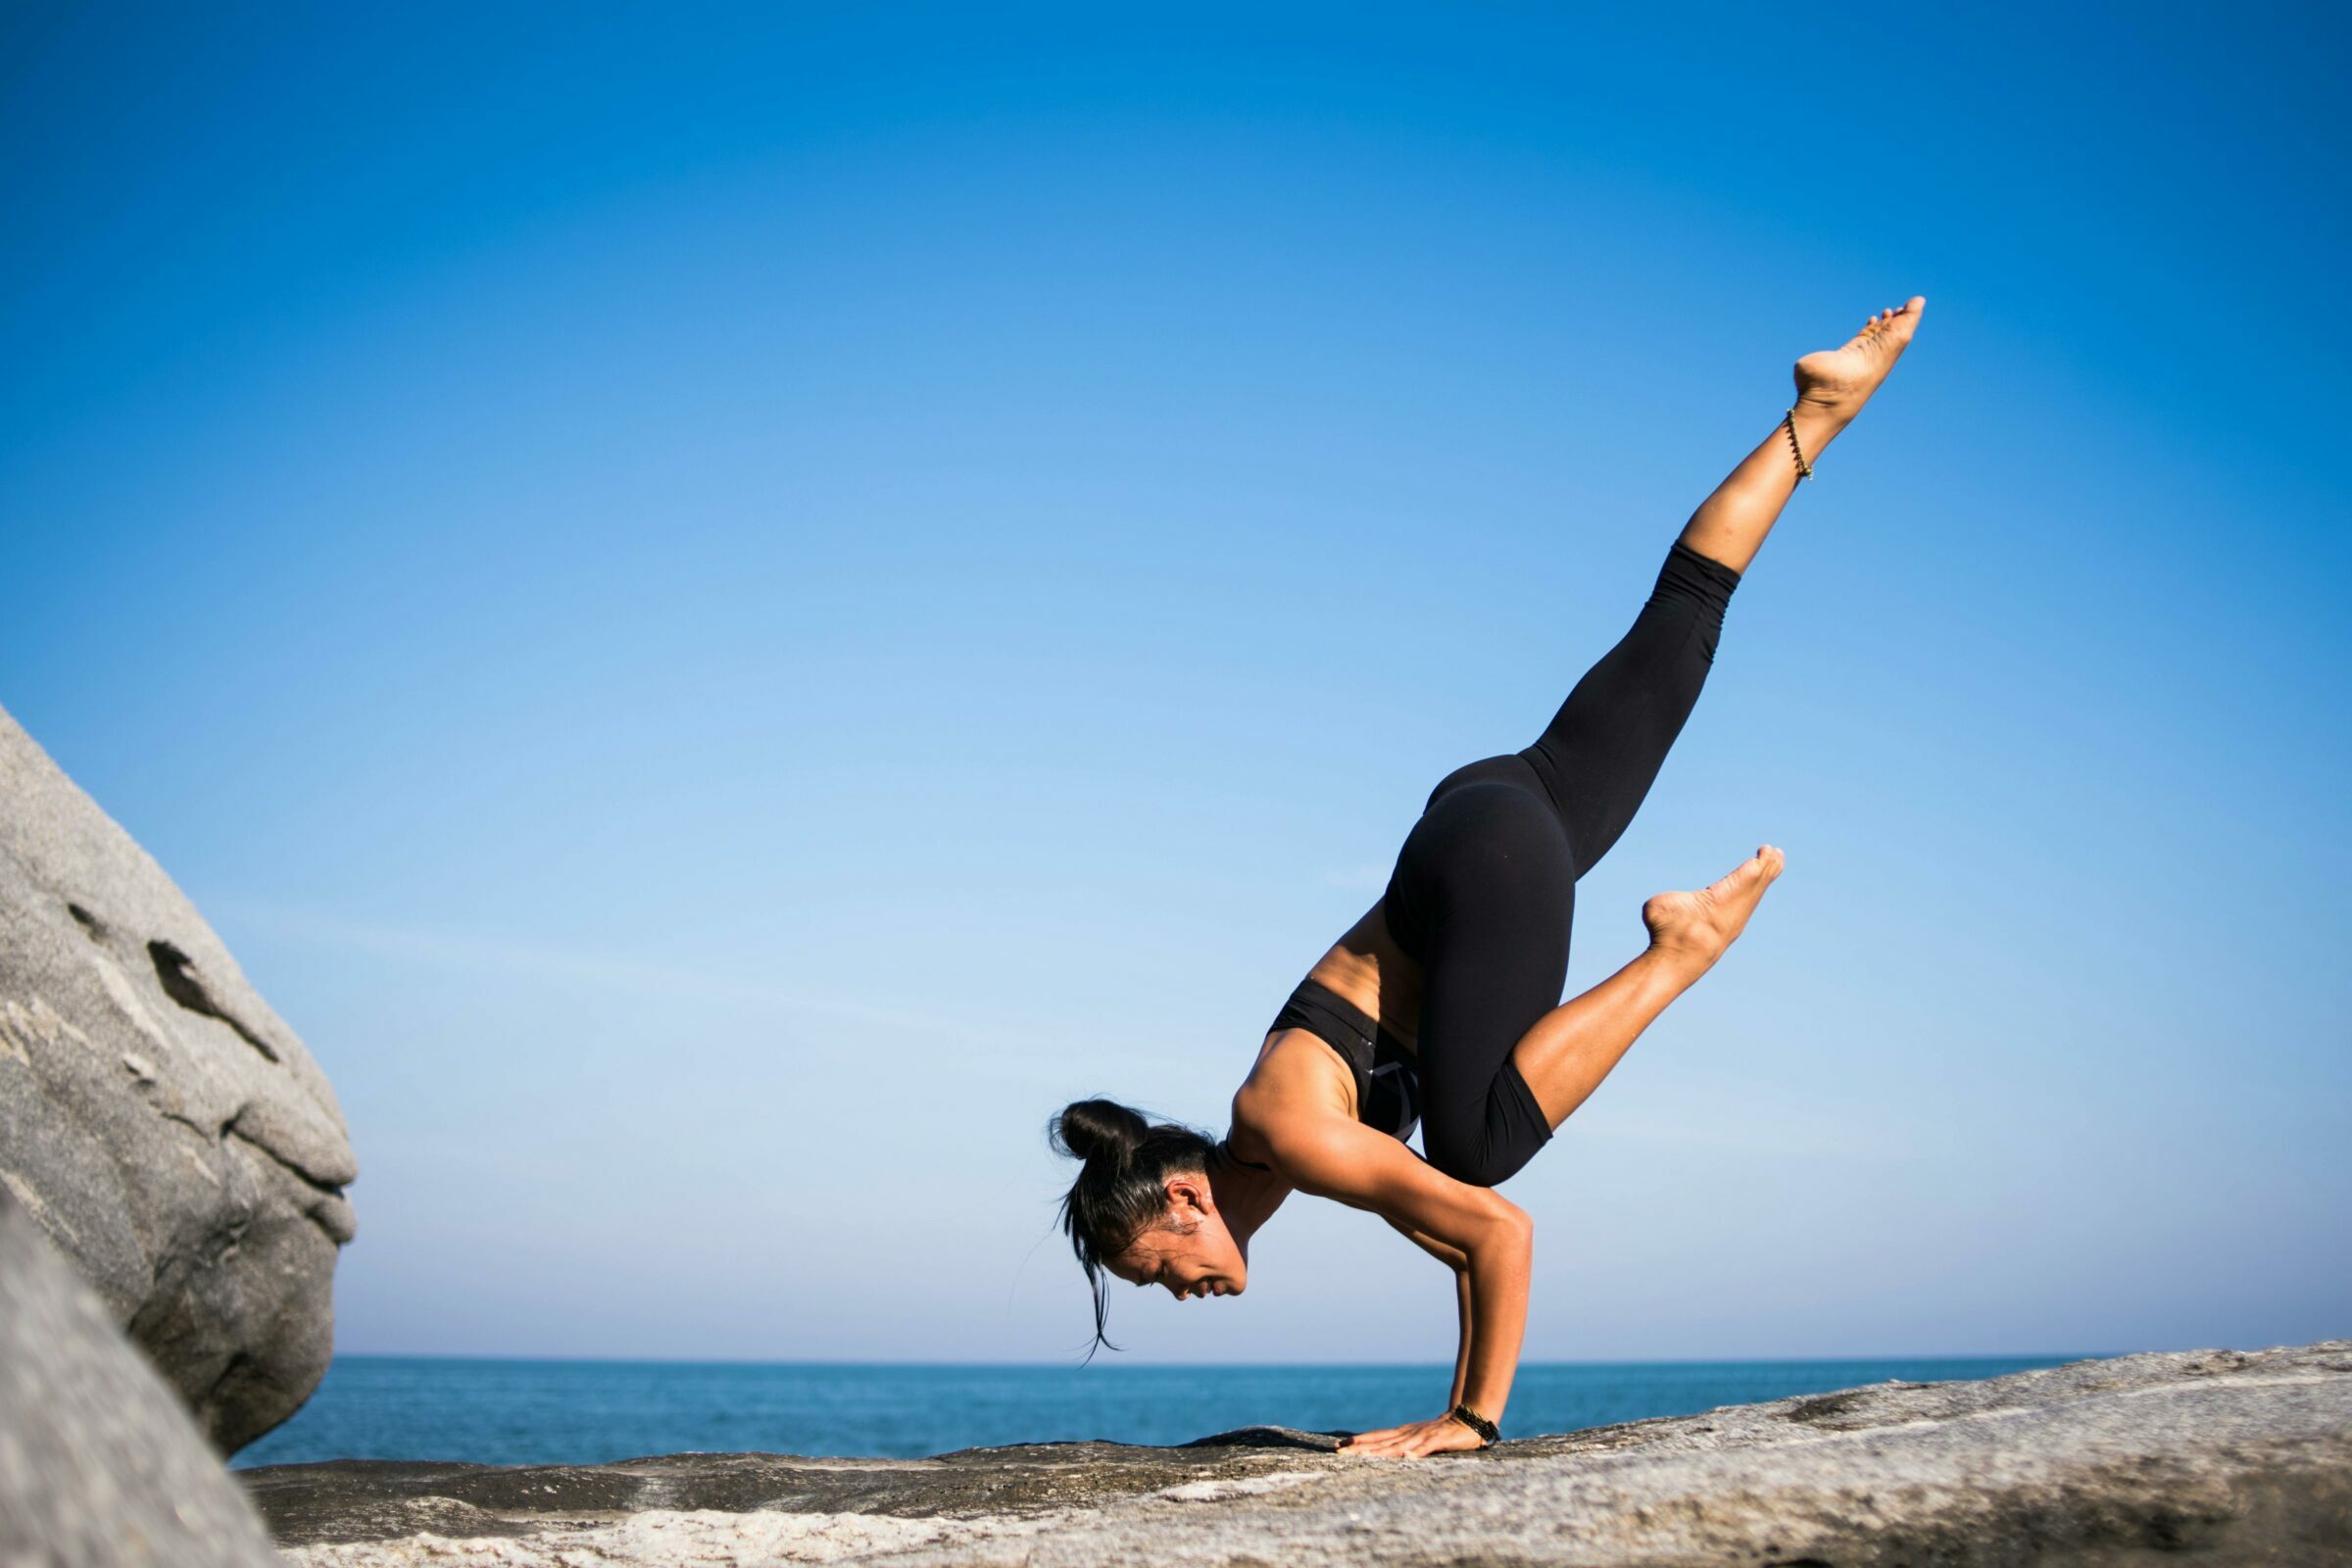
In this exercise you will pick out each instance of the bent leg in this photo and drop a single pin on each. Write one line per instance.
(1486, 892)
(1565, 1055)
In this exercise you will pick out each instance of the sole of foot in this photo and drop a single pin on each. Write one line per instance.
(1839, 381)
(1703, 924)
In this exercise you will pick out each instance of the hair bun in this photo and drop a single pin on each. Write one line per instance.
(1091, 1128)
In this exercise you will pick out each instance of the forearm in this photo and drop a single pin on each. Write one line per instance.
(1494, 1293)
(1469, 1334)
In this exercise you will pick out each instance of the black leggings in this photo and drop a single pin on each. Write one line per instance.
(1485, 887)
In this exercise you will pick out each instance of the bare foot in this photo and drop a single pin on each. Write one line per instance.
(1701, 925)
(1839, 381)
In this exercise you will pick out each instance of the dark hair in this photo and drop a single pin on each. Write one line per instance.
(1122, 1188)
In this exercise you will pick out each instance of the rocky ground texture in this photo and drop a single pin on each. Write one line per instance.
(2212, 1455)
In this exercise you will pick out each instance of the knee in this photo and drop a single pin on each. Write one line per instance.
(1478, 1161)
(1702, 579)
(1700, 584)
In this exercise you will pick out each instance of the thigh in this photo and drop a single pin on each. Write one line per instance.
(1480, 840)
(1487, 886)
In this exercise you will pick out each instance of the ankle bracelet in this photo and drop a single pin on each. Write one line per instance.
(1804, 470)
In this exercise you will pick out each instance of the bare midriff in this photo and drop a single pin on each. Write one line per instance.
(1369, 969)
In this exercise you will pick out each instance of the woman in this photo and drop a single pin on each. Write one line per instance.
(1442, 1006)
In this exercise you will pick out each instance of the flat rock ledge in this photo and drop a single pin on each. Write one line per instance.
(2203, 1455)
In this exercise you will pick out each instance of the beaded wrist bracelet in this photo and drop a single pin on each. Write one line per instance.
(1804, 470)
(1487, 1432)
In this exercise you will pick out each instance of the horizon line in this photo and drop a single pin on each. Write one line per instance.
(1201, 1366)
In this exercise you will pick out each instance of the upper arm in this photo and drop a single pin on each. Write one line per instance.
(1342, 1159)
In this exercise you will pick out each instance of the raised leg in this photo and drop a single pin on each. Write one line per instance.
(1564, 1057)
(1603, 747)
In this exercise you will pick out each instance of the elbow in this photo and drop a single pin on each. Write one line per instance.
(1504, 1254)
(1509, 1226)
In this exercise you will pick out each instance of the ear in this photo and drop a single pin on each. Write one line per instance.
(1189, 1189)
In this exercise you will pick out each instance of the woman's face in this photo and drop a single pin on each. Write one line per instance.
(1190, 1251)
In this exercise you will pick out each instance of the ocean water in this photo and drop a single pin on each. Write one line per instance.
(587, 1412)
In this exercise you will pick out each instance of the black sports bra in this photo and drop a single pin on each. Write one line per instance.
(1387, 1079)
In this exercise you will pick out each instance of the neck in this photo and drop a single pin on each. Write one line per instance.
(1245, 1196)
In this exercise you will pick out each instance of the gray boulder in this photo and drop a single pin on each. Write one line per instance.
(100, 1466)
(2196, 1455)
(161, 1124)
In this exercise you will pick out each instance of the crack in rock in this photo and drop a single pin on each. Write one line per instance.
(183, 984)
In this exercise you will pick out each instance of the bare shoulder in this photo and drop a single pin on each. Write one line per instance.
(1298, 1077)
(1295, 1072)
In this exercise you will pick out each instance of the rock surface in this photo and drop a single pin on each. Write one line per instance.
(2209, 1456)
(159, 1123)
(100, 1466)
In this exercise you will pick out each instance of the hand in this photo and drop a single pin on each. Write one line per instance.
(1442, 1436)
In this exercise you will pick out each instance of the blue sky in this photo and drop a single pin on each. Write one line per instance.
(727, 613)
